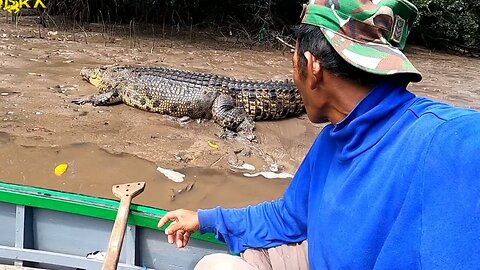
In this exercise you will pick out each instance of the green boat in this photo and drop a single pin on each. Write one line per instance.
(49, 229)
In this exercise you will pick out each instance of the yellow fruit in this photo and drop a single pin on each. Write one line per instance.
(61, 169)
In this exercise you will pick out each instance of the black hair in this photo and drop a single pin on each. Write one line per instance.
(310, 38)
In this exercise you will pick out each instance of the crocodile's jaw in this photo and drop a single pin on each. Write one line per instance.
(93, 76)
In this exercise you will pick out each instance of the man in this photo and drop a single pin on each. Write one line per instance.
(393, 181)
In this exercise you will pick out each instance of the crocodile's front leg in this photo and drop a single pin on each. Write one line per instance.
(104, 99)
(226, 114)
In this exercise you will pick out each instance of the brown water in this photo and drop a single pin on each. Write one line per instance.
(39, 77)
(94, 171)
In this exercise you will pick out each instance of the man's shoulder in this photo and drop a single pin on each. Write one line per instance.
(427, 108)
(447, 124)
(432, 118)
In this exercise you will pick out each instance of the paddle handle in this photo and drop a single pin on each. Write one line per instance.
(116, 238)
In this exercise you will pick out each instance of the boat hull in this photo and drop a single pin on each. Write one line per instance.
(55, 230)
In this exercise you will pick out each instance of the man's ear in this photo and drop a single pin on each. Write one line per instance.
(314, 69)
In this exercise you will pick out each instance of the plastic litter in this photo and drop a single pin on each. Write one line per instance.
(270, 175)
(244, 166)
(172, 175)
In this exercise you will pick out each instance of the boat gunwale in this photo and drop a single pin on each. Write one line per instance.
(106, 209)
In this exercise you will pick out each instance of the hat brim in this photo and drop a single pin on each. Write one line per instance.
(372, 57)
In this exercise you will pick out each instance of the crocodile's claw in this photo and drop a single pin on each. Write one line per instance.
(82, 100)
(228, 134)
(102, 99)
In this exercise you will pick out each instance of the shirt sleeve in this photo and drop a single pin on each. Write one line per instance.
(450, 236)
(268, 224)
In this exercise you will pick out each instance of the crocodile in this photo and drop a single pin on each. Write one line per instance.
(232, 103)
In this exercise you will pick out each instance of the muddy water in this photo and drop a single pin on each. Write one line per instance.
(106, 145)
(39, 77)
(94, 171)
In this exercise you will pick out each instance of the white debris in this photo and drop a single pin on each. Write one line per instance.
(172, 175)
(274, 167)
(270, 175)
(36, 74)
(97, 255)
(245, 166)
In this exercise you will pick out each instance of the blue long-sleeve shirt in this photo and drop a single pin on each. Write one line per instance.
(395, 185)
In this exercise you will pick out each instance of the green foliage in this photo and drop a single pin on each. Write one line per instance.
(452, 24)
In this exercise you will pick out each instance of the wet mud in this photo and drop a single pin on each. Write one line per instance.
(40, 127)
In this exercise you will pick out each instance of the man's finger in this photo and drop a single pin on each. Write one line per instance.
(171, 234)
(168, 217)
(186, 237)
(171, 238)
(179, 238)
(173, 228)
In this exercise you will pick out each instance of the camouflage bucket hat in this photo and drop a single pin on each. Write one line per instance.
(368, 34)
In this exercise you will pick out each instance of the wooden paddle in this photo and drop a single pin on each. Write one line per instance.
(126, 193)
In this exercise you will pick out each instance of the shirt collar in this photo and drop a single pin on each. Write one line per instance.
(371, 119)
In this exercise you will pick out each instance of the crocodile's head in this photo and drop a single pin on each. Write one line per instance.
(104, 78)
(94, 76)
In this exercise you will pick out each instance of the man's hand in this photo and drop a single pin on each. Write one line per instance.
(184, 223)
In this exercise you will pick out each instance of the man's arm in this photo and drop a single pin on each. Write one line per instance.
(262, 226)
(272, 223)
(265, 225)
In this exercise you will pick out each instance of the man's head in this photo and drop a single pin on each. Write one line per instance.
(311, 39)
(358, 41)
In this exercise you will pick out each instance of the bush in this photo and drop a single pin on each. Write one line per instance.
(449, 24)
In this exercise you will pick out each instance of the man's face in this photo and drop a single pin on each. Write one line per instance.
(311, 96)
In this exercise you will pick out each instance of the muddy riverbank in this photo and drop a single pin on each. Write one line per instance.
(103, 146)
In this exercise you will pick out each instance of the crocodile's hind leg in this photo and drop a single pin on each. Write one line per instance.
(226, 114)
(103, 99)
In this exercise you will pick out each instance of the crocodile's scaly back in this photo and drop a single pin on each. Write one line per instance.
(262, 100)
(268, 100)
(234, 104)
